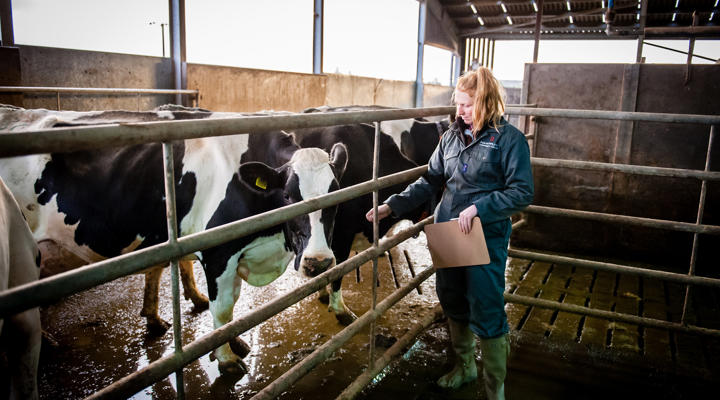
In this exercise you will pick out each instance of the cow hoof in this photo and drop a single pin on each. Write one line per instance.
(233, 368)
(157, 327)
(323, 296)
(239, 347)
(200, 304)
(346, 318)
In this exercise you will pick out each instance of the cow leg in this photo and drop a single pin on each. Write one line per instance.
(228, 291)
(337, 305)
(190, 289)
(156, 326)
(25, 333)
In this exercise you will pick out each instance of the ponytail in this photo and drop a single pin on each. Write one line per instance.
(488, 95)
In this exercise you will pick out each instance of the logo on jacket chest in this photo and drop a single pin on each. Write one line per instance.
(489, 143)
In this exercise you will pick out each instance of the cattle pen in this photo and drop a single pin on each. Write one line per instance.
(69, 139)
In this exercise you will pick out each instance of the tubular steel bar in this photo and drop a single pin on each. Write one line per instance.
(624, 219)
(376, 237)
(626, 168)
(57, 286)
(624, 269)
(631, 319)
(616, 115)
(297, 371)
(363, 380)
(696, 236)
(83, 138)
(51, 89)
(133, 383)
(169, 180)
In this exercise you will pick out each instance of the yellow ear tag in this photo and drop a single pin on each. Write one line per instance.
(261, 183)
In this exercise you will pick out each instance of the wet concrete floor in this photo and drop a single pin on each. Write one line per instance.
(100, 338)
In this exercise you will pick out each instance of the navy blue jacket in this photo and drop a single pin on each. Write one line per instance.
(493, 172)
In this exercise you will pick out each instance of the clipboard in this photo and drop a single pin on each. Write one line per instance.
(449, 247)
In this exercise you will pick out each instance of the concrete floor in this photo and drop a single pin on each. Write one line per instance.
(101, 338)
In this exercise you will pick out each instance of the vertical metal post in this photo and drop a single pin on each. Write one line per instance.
(701, 211)
(419, 88)
(691, 49)
(482, 52)
(172, 238)
(162, 34)
(538, 25)
(641, 37)
(492, 54)
(177, 44)
(487, 57)
(468, 56)
(458, 62)
(318, 20)
(6, 23)
(376, 239)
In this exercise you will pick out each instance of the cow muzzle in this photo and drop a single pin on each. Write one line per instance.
(314, 266)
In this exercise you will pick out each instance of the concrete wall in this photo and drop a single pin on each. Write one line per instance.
(221, 88)
(45, 66)
(244, 90)
(631, 87)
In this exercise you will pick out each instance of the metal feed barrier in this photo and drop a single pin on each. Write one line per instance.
(195, 94)
(58, 286)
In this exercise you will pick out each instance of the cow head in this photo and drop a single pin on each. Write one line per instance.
(310, 173)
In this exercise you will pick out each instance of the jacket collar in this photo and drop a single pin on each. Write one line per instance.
(459, 126)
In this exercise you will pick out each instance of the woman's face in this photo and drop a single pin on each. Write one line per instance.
(464, 103)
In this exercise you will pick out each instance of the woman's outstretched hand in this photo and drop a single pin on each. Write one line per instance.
(465, 218)
(383, 211)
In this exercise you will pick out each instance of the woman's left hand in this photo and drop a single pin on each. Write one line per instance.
(465, 218)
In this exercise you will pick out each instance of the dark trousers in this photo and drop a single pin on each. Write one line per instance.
(474, 294)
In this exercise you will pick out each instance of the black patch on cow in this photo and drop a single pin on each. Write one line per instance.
(238, 203)
(115, 194)
(350, 218)
(273, 148)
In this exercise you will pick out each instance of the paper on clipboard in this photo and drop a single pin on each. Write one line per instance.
(449, 247)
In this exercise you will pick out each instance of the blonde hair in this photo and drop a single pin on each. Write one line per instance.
(487, 94)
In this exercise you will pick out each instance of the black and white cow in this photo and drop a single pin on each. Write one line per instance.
(106, 202)
(21, 332)
(415, 137)
(350, 220)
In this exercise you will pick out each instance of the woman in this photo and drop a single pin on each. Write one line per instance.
(484, 164)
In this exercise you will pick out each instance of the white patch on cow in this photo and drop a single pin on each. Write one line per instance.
(20, 174)
(214, 161)
(263, 260)
(165, 114)
(312, 167)
(52, 226)
(336, 304)
(228, 286)
(395, 128)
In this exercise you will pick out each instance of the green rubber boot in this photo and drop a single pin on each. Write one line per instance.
(495, 353)
(463, 343)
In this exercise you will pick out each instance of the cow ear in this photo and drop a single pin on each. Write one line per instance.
(261, 178)
(338, 159)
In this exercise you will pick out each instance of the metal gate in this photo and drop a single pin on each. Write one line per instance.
(58, 286)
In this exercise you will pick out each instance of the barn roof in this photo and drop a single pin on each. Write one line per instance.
(581, 19)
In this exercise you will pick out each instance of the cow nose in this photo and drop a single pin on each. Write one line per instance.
(314, 266)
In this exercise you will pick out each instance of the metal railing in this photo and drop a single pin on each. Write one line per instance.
(195, 94)
(68, 139)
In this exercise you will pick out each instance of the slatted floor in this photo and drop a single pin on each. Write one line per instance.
(560, 355)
